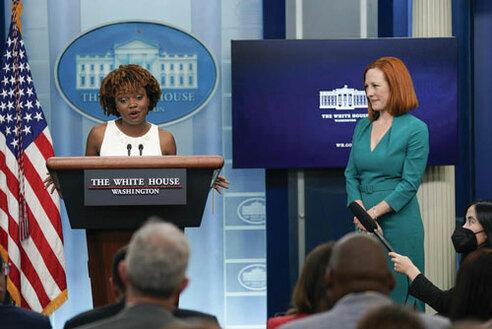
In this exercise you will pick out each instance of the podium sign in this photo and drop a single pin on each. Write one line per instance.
(71, 173)
(134, 187)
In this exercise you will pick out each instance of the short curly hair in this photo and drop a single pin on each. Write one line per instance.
(127, 78)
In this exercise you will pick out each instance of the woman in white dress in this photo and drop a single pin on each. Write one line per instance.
(129, 92)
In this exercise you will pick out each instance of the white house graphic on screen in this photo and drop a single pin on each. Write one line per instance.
(173, 71)
(342, 99)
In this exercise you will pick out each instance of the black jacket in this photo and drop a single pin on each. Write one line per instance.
(426, 291)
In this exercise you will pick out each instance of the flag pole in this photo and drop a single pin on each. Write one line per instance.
(23, 216)
(17, 13)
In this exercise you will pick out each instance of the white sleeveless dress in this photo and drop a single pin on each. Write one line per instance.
(116, 143)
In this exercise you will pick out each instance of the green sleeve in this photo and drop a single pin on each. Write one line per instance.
(417, 151)
(352, 181)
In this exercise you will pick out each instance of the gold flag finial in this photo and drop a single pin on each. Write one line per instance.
(17, 13)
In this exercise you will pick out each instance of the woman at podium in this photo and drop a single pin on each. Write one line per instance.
(129, 92)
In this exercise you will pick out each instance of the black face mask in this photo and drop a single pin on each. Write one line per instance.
(464, 240)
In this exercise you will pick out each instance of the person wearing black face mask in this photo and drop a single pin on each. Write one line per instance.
(474, 234)
(465, 240)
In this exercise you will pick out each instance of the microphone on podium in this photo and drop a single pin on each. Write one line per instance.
(129, 149)
(368, 223)
(140, 149)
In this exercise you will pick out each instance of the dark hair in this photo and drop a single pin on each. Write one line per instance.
(388, 317)
(402, 97)
(118, 257)
(310, 293)
(483, 208)
(472, 295)
(127, 78)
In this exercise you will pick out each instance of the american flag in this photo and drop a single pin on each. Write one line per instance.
(31, 238)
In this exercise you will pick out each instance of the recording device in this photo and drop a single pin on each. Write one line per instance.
(368, 223)
(129, 148)
(140, 149)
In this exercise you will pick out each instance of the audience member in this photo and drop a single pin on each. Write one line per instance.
(119, 289)
(472, 296)
(106, 311)
(155, 274)
(389, 317)
(475, 233)
(13, 317)
(358, 279)
(310, 293)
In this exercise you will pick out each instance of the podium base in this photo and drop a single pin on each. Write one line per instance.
(101, 246)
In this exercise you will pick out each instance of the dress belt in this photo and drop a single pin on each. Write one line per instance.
(371, 188)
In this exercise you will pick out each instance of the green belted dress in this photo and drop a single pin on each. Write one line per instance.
(392, 172)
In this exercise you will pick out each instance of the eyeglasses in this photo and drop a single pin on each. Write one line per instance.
(5, 268)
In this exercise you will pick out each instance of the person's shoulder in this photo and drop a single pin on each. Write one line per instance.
(97, 131)
(434, 321)
(35, 317)
(95, 139)
(164, 133)
(313, 321)
(361, 125)
(411, 120)
(364, 122)
(94, 315)
(277, 321)
(99, 128)
(167, 142)
(17, 317)
(115, 321)
(78, 320)
(185, 313)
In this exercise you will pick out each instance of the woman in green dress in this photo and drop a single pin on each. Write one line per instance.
(387, 161)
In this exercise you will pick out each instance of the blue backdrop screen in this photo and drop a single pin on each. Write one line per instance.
(295, 103)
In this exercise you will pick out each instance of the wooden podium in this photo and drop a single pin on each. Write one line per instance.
(108, 227)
